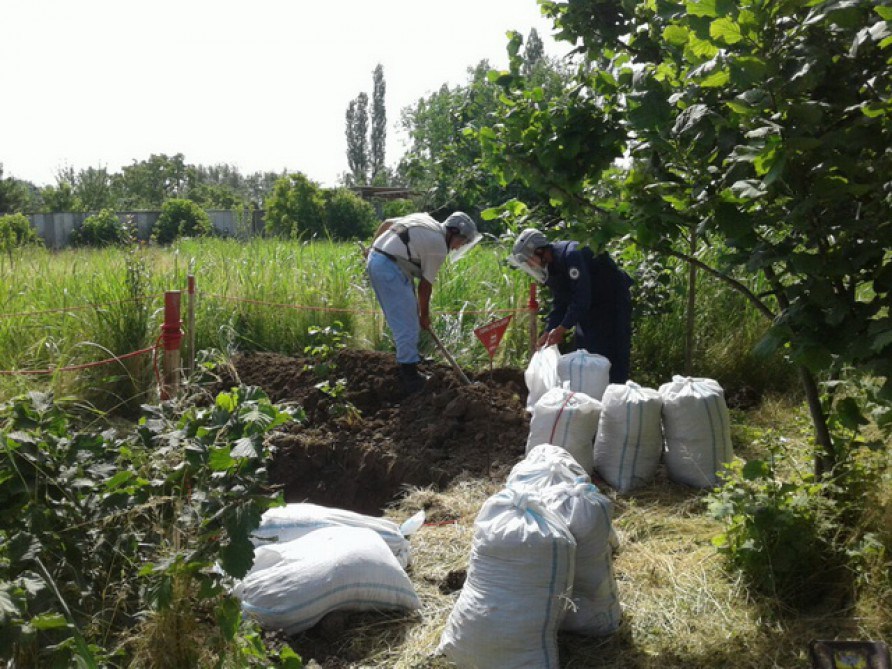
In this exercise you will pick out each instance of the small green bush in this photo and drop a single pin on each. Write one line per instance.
(162, 512)
(102, 229)
(295, 208)
(778, 534)
(348, 216)
(181, 218)
(397, 208)
(16, 231)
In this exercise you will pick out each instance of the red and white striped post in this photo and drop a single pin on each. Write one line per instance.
(533, 306)
(171, 338)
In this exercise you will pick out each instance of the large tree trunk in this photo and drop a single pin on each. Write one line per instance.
(825, 455)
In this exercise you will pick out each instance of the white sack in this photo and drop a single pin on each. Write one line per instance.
(630, 439)
(596, 610)
(515, 596)
(541, 374)
(584, 372)
(292, 521)
(546, 465)
(294, 584)
(568, 419)
(698, 430)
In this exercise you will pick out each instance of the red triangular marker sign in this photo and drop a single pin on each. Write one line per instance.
(491, 335)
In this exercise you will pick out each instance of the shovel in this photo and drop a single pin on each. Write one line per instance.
(448, 356)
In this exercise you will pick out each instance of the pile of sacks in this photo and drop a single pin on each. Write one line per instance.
(624, 431)
(541, 561)
(542, 554)
(311, 560)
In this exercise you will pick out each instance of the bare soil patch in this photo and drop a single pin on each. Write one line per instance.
(363, 460)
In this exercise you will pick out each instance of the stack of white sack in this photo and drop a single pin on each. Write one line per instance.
(292, 585)
(545, 465)
(595, 609)
(547, 474)
(630, 438)
(698, 430)
(568, 419)
(520, 578)
(292, 521)
(541, 374)
(584, 372)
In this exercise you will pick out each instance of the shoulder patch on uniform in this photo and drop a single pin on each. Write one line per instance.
(573, 272)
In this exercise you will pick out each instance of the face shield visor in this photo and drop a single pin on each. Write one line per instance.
(538, 272)
(457, 254)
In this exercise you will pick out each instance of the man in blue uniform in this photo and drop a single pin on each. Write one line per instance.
(590, 293)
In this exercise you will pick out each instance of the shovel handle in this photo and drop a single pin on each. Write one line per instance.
(448, 356)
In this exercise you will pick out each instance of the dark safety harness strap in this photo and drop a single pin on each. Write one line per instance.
(401, 230)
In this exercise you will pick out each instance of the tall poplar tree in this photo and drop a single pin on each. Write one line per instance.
(533, 52)
(379, 124)
(357, 138)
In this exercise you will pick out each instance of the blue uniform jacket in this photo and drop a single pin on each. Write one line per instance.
(583, 285)
(591, 294)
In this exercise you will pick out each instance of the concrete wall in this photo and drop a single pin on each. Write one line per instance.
(55, 229)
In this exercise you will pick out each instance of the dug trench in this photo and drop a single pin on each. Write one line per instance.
(364, 442)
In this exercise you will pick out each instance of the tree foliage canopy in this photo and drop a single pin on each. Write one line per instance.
(444, 158)
(15, 195)
(761, 126)
(145, 184)
(298, 207)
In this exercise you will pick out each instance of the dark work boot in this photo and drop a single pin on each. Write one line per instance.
(413, 380)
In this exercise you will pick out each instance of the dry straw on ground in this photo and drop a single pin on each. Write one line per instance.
(682, 609)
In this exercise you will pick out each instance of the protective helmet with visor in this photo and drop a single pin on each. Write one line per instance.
(462, 225)
(523, 255)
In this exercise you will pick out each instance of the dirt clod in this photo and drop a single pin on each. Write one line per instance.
(454, 581)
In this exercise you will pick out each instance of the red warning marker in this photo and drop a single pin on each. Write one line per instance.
(490, 335)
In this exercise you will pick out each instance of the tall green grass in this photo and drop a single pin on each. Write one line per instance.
(74, 308)
(242, 287)
(727, 328)
(322, 283)
(79, 306)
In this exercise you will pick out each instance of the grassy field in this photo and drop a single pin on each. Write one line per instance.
(80, 306)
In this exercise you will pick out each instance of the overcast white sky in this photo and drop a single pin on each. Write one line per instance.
(260, 84)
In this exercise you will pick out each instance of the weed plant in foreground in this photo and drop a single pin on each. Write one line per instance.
(115, 551)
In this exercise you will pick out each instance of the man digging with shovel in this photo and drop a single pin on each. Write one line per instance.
(408, 248)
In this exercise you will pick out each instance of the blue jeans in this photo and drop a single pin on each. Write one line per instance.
(396, 295)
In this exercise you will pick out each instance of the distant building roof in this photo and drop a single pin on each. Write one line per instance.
(382, 192)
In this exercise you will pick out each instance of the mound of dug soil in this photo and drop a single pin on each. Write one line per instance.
(364, 443)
